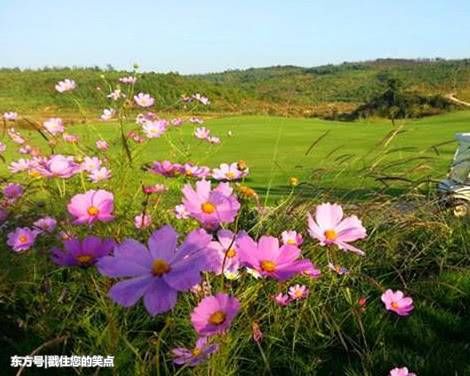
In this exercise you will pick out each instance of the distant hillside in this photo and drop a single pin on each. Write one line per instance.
(286, 90)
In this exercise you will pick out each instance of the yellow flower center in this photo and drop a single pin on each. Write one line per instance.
(208, 207)
(298, 293)
(23, 239)
(93, 211)
(331, 235)
(231, 253)
(84, 259)
(160, 267)
(196, 351)
(268, 266)
(394, 305)
(217, 318)
(230, 175)
(291, 242)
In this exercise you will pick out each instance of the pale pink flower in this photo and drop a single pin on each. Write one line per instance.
(142, 221)
(90, 164)
(194, 171)
(198, 97)
(54, 126)
(181, 212)
(282, 299)
(21, 165)
(196, 120)
(102, 145)
(25, 149)
(92, 206)
(202, 133)
(15, 136)
(401, 372)
(45, 224)
(65, 85)
(12, 116)
(227, 172)
(107, 114)
(155, 129)
(156, 188)
(292, 238)
(130, 80)
(298, 292)
(144, 100)
(116, 95)
(3, 147)
(213, 140)
(99, 174)
(176, 122)
(70, 138)
(330, 228)
(397, 302)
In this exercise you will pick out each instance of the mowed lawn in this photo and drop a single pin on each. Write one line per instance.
(342, 156)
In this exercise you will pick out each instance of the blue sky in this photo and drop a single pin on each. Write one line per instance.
(208, 35)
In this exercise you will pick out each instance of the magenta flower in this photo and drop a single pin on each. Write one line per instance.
(65, 85)
(329, 228)
(57, 166)
(226, 249)
(166, 168)
(144, 100)
(45, 224)
(12, 116)
(282, 299)
(156, 188)
(214, 314)
(397, 302)
(158, 272)
(13, 191)
(193, 357)
(211, 207)
(270, 260)
(298, 292)
(91, 207)
(401, 372)
(21, 239)
(82, 253)
(54, 126)
(202, 133)
(142, 221)
(292, 238)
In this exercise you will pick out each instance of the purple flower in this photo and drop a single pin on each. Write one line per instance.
(45, 224)
(22, 239)
(82, 253)
(92, 206)
(211, 207)
(193, 357)
(57, 166)
(159, 272)
(13, 191)
(166, 168)
(270, 260)
(214, 314)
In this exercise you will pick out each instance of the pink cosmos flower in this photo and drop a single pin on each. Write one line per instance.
(100, 174)
(203, 100)
(15, 136)
(65, 85)
(329, 228)
(401, 372)
(181, 212)
(13, 191)
(92, 206)
(21, 165)
(12, 116)
(70, 138)
(155, 129)
(214, 314)
(176, 122)
(54, 126)
(142, 119)
(129, 80)
(210, 207)
(292, 238)
(202, 133)
(90, 164)
(45, 224)
(144, 100)
(193, 357)
(157, 272)
(227, 172)
(102, 145)
(397, 302)
(21, 239)
(270, 260)
(142, 221)
(107, 114)
(282, 299)
(57, 166)
(116, 95)
(82, 253)
(225, 252)
(166, 168)
(213, 140)
(194, 171)
(298, 292)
